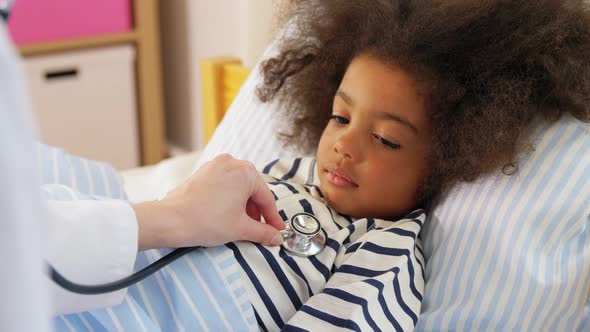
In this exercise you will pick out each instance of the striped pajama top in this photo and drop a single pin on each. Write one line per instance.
(369, 276)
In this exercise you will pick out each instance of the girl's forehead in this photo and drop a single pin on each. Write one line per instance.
(369, 74)
(374, 86)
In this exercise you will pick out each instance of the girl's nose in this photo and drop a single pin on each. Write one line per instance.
(346, 146)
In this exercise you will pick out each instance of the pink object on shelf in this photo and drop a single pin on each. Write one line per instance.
(34, 21)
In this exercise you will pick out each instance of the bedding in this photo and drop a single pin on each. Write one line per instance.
(87, 177)
(202, 291)
(153, 182)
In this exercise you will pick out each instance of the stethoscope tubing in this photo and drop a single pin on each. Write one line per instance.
(119, 284)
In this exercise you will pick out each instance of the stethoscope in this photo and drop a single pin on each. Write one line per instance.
(303, 236)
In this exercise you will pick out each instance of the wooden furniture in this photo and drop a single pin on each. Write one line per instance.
(222, 79)
(85, 101)
(146, 39)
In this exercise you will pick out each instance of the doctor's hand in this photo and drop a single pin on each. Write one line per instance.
(222, 202)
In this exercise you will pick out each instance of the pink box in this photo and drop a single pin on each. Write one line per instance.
(33, 21)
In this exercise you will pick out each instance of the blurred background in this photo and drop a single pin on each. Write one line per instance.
(133, 82)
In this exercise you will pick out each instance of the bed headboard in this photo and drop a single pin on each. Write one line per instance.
(222, 79)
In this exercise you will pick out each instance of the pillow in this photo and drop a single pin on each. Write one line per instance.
(503, 253)
(513, 252)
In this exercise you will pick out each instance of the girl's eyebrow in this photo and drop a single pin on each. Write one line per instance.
(383, 115)
(344, 97)
(402, 121)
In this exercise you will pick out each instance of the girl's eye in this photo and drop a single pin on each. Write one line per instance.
(339, 119)
(386, 143)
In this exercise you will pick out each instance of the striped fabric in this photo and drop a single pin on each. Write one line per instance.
(504, 252)
(512, 253)
(369, 277)
(90, 178)
(202, 291)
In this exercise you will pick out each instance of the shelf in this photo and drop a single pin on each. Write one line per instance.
(79, 43)
(146, 38)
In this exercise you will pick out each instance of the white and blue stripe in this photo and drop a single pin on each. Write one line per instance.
(513, 252)
(201, 291)
(91, 178)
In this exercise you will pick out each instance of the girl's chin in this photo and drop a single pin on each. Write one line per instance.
(342, 205)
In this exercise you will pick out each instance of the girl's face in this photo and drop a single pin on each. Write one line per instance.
(372, 156)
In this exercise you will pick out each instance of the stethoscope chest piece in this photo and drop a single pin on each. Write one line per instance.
(304, 235)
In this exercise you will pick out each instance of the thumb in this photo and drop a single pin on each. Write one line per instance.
(262, 233)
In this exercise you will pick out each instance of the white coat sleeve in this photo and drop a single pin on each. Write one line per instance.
(24, 301)
(90, 242)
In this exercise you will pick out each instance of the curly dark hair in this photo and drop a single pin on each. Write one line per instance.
(490, 68)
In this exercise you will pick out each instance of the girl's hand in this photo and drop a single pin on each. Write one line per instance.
(222, 202)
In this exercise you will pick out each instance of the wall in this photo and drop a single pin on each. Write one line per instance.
(255, 19)
(192, 30)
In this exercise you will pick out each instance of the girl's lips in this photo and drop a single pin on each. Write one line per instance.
(339, 180)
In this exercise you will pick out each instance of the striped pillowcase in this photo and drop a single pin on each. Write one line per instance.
(513, 252)
(503, 253)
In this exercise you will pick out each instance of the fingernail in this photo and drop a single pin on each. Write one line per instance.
(277, 240)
